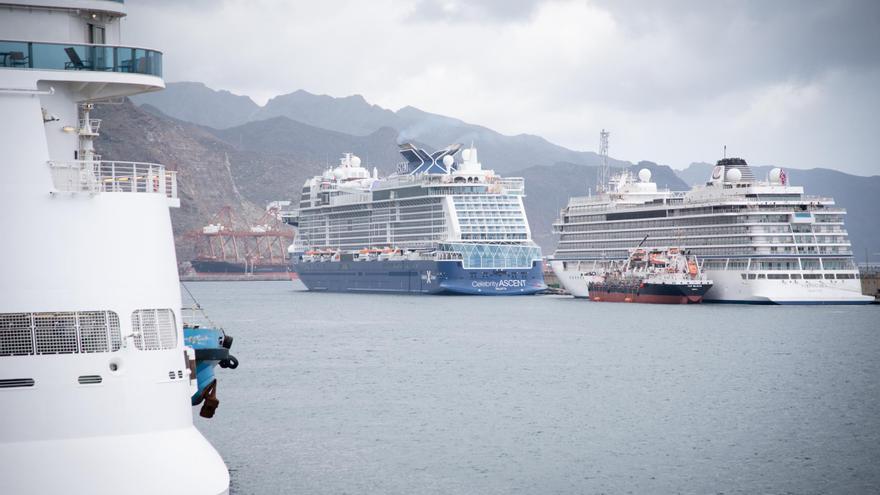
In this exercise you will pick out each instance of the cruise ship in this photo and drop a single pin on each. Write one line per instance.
(440, 224)
(759, 241)
(95, 378)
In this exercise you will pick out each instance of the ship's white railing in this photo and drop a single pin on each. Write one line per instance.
(513, 185)
(111, 176)
(351, 198)
(600, 202)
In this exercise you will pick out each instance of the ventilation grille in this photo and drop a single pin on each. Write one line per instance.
(16, 382)
(16, 334)
(23, 334)
(154, 329)
(90, 379)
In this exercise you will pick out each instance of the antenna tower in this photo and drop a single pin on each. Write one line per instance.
(603, 167)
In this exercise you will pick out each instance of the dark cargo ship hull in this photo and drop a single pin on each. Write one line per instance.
(210, 266)
(648, 293)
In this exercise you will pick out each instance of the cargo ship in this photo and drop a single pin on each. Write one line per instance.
(661, 276)
(438, 225)
(229, 245)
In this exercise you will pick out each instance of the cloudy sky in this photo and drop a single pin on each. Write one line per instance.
(793, 83)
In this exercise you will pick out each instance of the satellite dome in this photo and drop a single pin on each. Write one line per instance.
(734, 175)
(644, 175)
(448, 160)
(466, 154)
(355, 161)
(775, 175)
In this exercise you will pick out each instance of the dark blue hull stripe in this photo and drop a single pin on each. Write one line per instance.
(418, 277)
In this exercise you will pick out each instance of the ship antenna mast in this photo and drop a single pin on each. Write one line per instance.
(603, 167)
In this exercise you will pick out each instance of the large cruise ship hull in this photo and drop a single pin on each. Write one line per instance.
(418, 277)
(730, 287)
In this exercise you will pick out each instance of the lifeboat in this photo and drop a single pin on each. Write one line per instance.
(657, 259)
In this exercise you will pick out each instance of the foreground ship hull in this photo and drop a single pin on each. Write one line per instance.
(418, 277)
(95, 380)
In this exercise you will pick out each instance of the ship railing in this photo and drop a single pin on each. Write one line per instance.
(347, 199)
(586, 204)
(79, 57)
(94, 177)
(513, 185)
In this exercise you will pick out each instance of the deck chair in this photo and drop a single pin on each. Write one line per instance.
(17, 59)
(75, 63)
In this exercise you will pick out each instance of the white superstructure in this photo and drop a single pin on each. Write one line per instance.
(433, 205)
(759, 241)
(94, 379)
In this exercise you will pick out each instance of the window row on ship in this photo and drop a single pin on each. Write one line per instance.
(698, 230)
(600, 253)
(767, 264)
(677, 223)
(649, 210)
(705, 239)
(418, 219)
(659, 216)
(364, 239)
(720, 242)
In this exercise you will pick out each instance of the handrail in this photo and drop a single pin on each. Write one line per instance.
(79, 57)
(65, 43)
(113, 176)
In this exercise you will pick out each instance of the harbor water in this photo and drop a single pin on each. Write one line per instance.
(358, 393)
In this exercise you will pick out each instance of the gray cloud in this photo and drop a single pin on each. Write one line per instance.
(473, 10)
(787, 82)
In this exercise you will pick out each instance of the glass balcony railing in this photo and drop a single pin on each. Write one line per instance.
(62, 56)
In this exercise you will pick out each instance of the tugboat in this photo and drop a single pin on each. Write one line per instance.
(663, 276)
(210, 346)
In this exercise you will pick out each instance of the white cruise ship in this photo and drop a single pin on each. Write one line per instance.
(759, 241)
(437, 226)
(95, 381)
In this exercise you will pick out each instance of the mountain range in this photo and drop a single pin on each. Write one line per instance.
(247, 155)
(353, 115)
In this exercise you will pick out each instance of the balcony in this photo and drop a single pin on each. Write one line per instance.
(64, 56)
(113, 177)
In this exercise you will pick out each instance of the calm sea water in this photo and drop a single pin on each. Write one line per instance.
(359, 393)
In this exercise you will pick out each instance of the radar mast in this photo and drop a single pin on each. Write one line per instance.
(602, 179)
